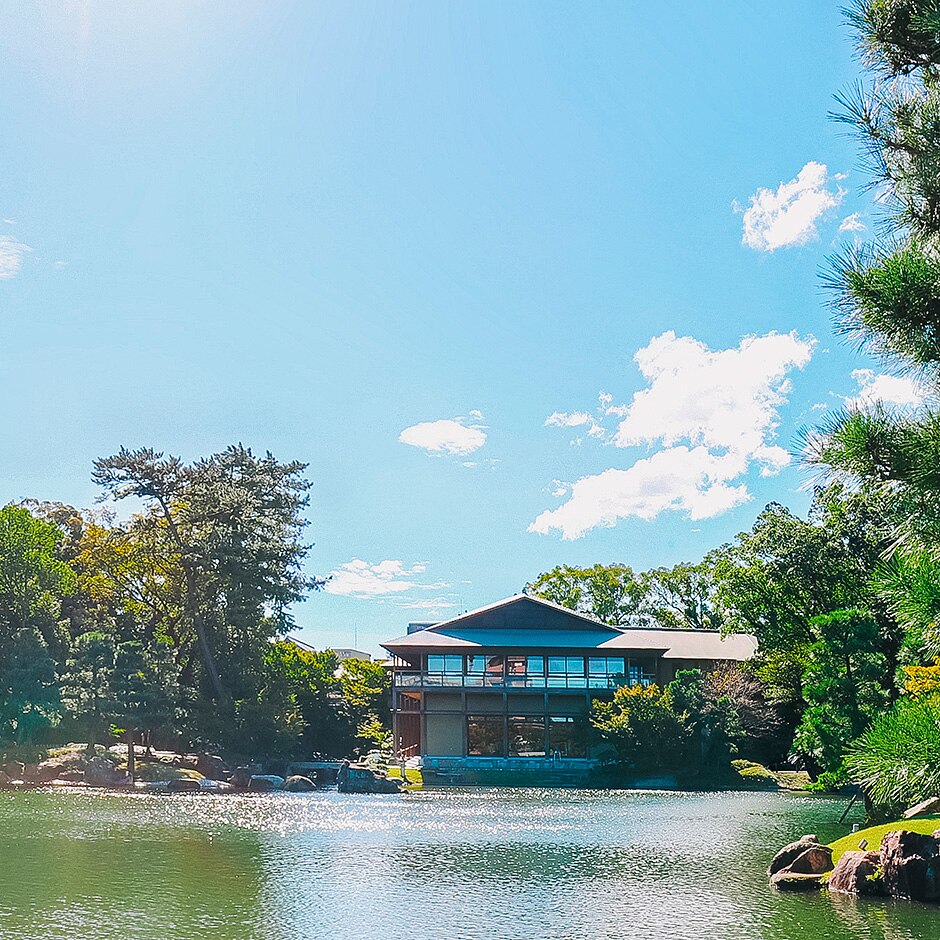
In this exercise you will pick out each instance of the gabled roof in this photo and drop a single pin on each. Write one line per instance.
(518, 602)
(526, 622)
(520, 620)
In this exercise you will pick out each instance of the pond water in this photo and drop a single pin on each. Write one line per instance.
(495, 864)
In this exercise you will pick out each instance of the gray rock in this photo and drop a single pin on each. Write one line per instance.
(299, 784)
(183, 785)
(265, 783)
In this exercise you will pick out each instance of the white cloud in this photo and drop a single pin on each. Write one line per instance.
(887, 389)
(358, 578)
(430, 604)
(691, 481)
(714, 414)
(725, 399)
(564, 419)
(12, 253)
(788, 216)
(852, 223)
(451, 436)
(362, 579)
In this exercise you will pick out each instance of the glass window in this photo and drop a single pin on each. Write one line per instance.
(476, 665)
(526, 737)
(639, 673)
(566, 736)
(605, 672)
(515, 665)
(485, 736)
(452, 665)
(515, 670)
(535, 665)
(566, 672)
(495, 668)
(556, 665)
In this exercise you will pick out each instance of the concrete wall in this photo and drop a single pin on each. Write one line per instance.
(444, 735)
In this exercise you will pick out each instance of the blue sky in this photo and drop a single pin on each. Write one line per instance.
(394, 240)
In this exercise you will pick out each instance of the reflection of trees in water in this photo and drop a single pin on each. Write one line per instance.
(544, 863)
(882, 919)
(108, 868)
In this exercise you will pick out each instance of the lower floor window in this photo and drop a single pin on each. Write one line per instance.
(567, 737)
(526, 737)
(485, 736)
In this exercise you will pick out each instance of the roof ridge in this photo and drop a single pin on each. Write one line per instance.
(515, 598)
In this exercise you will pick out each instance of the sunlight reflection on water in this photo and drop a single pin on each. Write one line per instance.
(524, 864)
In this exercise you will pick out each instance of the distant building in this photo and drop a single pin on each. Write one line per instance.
(512, 680)
(343, 653)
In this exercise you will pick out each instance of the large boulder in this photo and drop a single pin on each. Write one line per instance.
(51, 770)
(241, 777)
(816, 860)
(910, 864)
(791, 852)
(265, 783)
(299, 784)
(856, 873)
(14, 769)
(211, 766)
(787, 880)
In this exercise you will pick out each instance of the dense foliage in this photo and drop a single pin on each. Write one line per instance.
(887, 299)
(168, 626)
(828, 648)
(688, 726)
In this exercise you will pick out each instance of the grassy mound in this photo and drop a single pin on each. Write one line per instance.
(150, 771)
(760, 777)
(925, 825)
(413, 776)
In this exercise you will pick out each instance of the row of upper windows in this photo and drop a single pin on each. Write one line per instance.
(518, 666)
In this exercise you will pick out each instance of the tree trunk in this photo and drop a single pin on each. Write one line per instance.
(192, 605)
(131, 755)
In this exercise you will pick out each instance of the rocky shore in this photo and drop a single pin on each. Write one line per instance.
(78, 765)
(905, 865)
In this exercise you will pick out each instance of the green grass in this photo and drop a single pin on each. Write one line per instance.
(758, 775)
(412, 775)
(925, 825)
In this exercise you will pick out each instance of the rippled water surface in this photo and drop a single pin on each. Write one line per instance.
(495, 864)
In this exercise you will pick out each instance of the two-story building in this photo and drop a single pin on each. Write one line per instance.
(511, 684)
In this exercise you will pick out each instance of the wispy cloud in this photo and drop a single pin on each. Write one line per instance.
(714, 416)
(787, 216)
(458, 437)
(358, 578)
(12, 253)
(874, 388)
(391, 578)
(852, 223)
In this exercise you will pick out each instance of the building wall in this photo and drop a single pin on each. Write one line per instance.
(444, 735)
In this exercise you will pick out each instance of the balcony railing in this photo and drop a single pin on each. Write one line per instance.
(437, 680)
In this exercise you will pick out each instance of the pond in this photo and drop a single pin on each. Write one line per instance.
(458, 864)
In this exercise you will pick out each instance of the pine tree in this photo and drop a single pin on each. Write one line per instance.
(887, 293)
